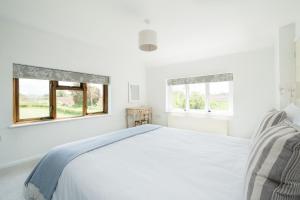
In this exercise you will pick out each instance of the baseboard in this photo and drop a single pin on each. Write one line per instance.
(21, 162)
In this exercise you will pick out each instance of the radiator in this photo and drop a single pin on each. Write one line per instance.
(208, 124)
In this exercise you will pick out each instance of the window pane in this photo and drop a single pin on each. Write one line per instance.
(65, 83)
(33, 98)
(178, 97)
(69, 103)
(219, 96)
(94, 98)
(197, 96)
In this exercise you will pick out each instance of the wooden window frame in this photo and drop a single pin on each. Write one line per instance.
(105, 101)
(53, 87)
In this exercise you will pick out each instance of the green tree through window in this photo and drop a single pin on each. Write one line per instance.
(178, 100)
(197, 101)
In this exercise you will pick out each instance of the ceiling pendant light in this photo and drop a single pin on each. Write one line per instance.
(147, 39)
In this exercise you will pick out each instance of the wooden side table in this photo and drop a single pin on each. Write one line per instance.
(137, 116)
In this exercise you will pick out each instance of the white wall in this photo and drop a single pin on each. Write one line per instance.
(298, 29)
(27, 45)
(254, 86)
(297, 101)
(286, 63)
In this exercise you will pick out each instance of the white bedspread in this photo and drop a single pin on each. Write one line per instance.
(166, 164)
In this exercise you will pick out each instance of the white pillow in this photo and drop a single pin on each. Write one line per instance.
(293, 113)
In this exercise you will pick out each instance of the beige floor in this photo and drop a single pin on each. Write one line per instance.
(12, 180)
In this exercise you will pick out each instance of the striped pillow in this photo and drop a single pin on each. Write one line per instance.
(272, 118)
(273, 170)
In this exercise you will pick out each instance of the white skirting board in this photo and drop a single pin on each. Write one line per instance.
(208, 124)
(21, 162)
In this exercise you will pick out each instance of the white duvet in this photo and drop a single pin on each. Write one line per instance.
(165, 164)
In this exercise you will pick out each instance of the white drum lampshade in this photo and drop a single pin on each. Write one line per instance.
(147, 40)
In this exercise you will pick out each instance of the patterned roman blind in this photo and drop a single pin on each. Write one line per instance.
(201, 79)
(33, 72)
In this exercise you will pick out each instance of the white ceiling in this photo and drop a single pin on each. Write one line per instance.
(187, 29)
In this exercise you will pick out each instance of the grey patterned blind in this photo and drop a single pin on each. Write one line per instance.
(201, 79)
(32, 72)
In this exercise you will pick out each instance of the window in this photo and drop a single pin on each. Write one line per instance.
(219, 96)
(33, 104)
(69, 84)
(197, 97)
(48, 94)
(95, 98)
(37, 100)
(178, 97)
(69, 99)
(209, 97)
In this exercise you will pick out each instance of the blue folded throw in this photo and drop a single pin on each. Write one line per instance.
(46, 174)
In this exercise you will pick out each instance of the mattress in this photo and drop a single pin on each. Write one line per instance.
(163, 164)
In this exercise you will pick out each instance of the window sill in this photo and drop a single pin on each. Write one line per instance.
(225, 116)
(18, 125)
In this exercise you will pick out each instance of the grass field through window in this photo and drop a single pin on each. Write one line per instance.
(29, 110)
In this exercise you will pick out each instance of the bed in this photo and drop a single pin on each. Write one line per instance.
(165, 163)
